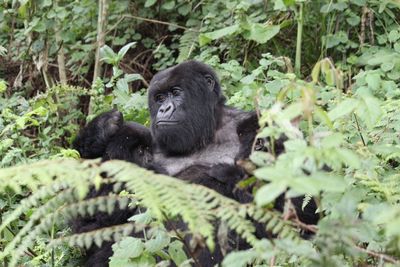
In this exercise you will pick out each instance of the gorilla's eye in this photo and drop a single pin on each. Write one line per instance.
(210, 81)
(160, 98)
(176, 91)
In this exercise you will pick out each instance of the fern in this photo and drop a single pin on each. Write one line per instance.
(58, 194)
(187, 43)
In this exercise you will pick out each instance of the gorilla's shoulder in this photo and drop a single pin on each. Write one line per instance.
(245, 126)
(246, 121)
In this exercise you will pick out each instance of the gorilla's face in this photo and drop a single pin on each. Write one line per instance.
(183, 104)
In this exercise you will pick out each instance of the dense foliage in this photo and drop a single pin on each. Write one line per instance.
(324, 73)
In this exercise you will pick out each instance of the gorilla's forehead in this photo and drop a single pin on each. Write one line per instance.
(179, 75)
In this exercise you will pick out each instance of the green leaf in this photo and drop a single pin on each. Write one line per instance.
(316, 71)
(316, 183)
(177, 253)
(349, 157)
(149, 3)
(369, 110)
(108, 55)
(271, 174)
(262, 33)
(168, 5)
(128, 247)
(124, 49)
(387, 66)
(279, 5)
(133, 77)
(343, 108)
(205, 38)
(270, 192)
(373, 80)
(333, 140)
(3, 86)
(322, 115)
(159, 241)
(394, 35)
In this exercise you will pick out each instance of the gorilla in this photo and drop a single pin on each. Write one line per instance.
(193, 136)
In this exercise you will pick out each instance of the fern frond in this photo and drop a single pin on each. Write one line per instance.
(98, 236)
(273, 222)
(32, 201)
(187, 43)
(59, 188)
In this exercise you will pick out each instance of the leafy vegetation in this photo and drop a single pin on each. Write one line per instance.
(324, 73)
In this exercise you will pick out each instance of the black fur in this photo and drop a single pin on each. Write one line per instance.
(194, 136)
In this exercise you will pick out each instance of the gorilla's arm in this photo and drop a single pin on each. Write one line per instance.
(133, 143)
(220, 177)
(109, 137)
(93, 139)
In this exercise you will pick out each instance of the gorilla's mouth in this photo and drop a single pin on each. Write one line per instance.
(161, 122)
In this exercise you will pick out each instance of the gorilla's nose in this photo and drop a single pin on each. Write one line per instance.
(166, 110)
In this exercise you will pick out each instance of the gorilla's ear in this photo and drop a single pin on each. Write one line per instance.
(210, 82)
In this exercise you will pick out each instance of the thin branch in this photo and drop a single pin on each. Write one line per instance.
(359, 130)
(150, 20)
(101, 23)
(378, 255)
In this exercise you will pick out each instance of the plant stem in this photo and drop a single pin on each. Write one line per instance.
(100, 41)
(62, 74)
(101, 22)
(300, 21)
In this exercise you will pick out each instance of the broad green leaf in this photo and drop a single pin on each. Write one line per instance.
(128, 247)
(122, 85)
(318, 182)
(271, 174)
(149, 3)
(292, 111)
(159, 241)
(261, 33)
(349, 157)
(394, 35)
(343, 108)
(279, 5)
(270, 192)
(177, 253)
(387, 66)
(107, 55)
(168, 5)
(373, 80)
(333, 140)
(369, 110)
(205, 38)
(322, 115)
